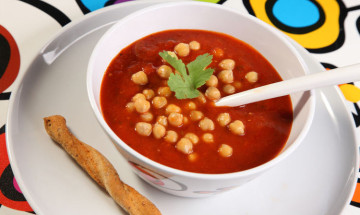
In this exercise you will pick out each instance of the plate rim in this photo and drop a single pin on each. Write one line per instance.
(356, 137)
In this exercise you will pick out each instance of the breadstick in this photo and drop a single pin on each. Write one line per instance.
(99, 168)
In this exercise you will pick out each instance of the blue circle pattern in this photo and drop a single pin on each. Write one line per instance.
(296, 13)
(94, 5)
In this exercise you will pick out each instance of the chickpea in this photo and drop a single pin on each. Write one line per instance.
(148, 93)
(171, 136)
(171, 108)
(147, 117)
(159, 102)
(138, 96)
(175, 119)
(224, 119)
(192, 137)
(252, 77)
(212, 93)
(237, 127)
(218, 52)
(185, 120)
(130, 106)
(162, 120)
(229, 89)
(192, 157)
(194, 45)
(158, 131)
(139, 78)
(226, 76)
(208, 138)
(225, 150)
(164, 91)
(237, 84)
(202, 98)
(184, 145)
(212, 82)
(182, 49)
(164, 71)
(191, 106)
(227, 64)
(206, 124)
(196, 115)
(143, 128)
(142, 105)
(172, 54)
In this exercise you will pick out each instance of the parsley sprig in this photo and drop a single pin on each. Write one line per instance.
(186, 82)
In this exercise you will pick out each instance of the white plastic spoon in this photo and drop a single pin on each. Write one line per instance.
(332, 77)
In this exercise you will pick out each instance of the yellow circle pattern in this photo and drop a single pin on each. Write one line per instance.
(324, 36)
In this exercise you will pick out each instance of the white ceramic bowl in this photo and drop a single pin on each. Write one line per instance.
(272, 44)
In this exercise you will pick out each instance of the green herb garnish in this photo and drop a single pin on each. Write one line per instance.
(186, 82)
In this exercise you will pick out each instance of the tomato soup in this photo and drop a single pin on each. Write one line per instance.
(193, 134)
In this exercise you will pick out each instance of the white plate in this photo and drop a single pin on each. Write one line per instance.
(319, 178)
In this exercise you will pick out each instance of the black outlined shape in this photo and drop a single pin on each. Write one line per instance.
(52, 11)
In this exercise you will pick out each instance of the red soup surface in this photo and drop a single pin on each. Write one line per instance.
(193, 134)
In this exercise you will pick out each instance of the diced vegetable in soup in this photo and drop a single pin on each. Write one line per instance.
(192, 134)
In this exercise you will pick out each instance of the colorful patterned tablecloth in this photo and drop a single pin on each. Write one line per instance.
(328, 29)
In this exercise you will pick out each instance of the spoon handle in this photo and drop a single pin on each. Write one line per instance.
(333, 77)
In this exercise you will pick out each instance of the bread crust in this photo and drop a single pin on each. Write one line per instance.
(99, 168)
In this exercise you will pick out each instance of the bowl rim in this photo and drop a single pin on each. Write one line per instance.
(173, 171)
